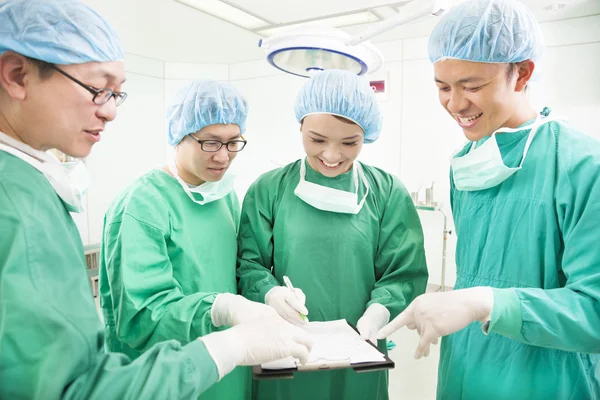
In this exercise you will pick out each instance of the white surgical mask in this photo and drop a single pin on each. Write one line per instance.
(210, 191)
(329, 199)
(70, 180)
(483, 167)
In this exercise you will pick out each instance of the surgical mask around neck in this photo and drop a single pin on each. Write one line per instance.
(329, 199)
(210, 191)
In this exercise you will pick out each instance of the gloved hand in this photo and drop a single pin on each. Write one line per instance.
(257, 342)
(288, 304)
(374, 318)
(230, 309)
(439, 314)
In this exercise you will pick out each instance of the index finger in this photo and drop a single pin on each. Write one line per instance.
(401, 320)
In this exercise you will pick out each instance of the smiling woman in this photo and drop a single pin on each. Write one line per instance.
(345, 232)
(331, 143)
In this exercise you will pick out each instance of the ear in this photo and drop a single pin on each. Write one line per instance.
(15, 71)
(525, 70)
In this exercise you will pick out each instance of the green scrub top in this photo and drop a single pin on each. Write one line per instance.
(534, 239)
(342, 262)
(51, 339)
(164, 258)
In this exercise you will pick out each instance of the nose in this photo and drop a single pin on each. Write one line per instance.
(457, 102)
(108, 110)
(331, 153)
(222, 155)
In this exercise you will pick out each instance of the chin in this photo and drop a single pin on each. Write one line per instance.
(210, 178)
(474, 136)
(80, 151)
(333, 174)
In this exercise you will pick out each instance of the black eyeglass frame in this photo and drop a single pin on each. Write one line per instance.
(106, 92)
(241, 143)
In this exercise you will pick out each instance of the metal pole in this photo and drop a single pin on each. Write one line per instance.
(445, 241)
(410, 12)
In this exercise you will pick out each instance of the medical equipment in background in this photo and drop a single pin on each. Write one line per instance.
(306, 50)
(92, 259)
(431, 205)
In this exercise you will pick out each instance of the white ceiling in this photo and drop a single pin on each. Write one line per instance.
(276, 12)
(286, 12)
(172, 31)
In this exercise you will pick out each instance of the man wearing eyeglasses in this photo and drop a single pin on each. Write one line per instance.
(61, 71)
(168, 256)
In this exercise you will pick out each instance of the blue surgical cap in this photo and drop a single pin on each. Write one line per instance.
(57, 32)
(341, 93)
(488, 31)
(202, 103)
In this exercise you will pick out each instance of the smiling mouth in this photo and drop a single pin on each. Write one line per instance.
(468, 120)
(329, 165)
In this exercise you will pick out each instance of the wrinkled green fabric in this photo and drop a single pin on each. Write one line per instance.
(342, 262)
(51, 339)
(164, 258)
(534, 238)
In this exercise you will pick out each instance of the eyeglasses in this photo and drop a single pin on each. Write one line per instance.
(212, 146)
(101, 96)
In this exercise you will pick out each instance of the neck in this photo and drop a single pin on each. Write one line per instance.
(523, 113)
(185, 175)
(11, 130)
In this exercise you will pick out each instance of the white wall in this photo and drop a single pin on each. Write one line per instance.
(131, 144)
(136, 141)
(419, 137)
(171, 31)
(416, 143)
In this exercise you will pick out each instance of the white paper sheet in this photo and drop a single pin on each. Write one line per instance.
(332, 341)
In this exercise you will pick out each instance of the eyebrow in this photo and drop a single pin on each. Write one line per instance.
(357, 136)
(110, 78)
(104, 74)
(212, 136)
(463, 80)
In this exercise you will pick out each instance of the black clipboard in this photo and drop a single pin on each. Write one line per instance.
(271, 374)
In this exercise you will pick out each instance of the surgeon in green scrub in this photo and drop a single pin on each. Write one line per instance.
(524, 319)
(169, 245)
(61, 73)
(346, 234)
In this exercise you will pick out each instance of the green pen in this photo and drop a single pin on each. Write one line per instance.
(288, 283)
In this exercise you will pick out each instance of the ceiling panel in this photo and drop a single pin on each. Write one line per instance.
(286, 11)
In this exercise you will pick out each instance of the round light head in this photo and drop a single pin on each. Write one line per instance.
(306, 50)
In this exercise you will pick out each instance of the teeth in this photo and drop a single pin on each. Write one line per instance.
(469, 119)
(331, 165)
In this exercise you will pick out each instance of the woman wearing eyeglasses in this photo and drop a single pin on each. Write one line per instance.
(169, 243)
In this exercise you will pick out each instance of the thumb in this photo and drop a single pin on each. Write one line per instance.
(365, 329)
(299, 351)
(297, 303)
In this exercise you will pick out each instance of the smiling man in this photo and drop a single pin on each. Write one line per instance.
(61, 70)
(525, 196)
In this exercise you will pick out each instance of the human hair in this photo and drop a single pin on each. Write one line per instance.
(513, 68)
(344, 119)
(338, 117)
(44, 68)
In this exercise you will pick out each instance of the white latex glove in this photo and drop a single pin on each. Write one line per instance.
(230, 309)
(374, 318)
(257, 342)
(434, 315)
(288, 304)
